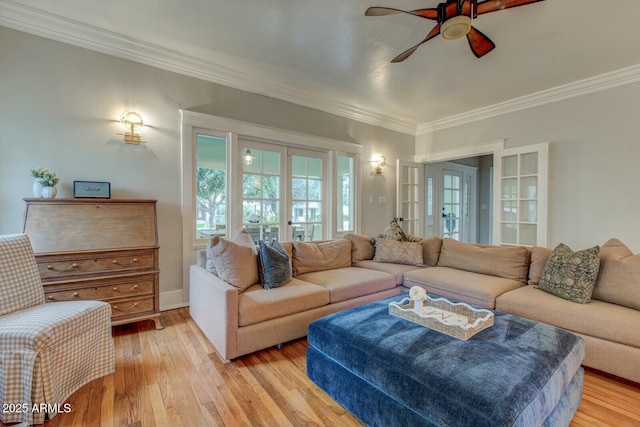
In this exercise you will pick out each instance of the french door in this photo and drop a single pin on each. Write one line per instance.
(284, 192)
(410, 196)
(451, 204)
(520, 201)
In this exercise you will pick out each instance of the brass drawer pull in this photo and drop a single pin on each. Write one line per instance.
(134, 305)
(133, 288)
(73, 295)
(115, 261)
(71, 267)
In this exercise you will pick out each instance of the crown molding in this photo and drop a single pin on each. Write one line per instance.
(586, 86)
(37, 22)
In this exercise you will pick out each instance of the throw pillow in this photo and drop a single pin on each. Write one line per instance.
(236, 260)
(308, 257)
(274, 265)
(409, 253)
(393, 231)
(361, 247)
(209, 265)
(619, 277)
(571, 275)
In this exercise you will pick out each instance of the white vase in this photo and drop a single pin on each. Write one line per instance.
(49, 192)
(37, 188)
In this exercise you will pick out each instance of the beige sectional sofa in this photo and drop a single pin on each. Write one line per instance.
(239, 321)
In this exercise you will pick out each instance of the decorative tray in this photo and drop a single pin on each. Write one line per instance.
(458, 320)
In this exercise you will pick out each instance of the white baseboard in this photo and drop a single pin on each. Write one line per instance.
(172, 299)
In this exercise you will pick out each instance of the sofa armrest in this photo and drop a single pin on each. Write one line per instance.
(213, 305)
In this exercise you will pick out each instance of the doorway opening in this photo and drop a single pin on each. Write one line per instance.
(459, 199)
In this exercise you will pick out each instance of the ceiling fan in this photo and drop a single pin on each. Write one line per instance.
(453, 20)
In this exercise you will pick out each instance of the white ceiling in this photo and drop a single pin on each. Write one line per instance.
(326, 54)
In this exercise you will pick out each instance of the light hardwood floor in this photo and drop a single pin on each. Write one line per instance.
(174, 377)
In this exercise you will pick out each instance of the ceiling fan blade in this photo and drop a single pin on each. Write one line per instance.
(383, 11)
(431, 13)
(407, 53)
(479, 43)
(494, 5)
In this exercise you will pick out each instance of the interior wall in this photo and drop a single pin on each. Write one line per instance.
(593, 158)
(59, 109)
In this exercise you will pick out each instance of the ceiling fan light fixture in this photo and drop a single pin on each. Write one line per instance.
(456, 27)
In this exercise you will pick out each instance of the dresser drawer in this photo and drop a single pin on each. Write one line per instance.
(102, 292)
(131, 307)
(52, 267)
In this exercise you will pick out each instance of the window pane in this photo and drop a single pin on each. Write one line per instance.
(315, 167)
(299, 166)
(271, 163)
(315, 189)
(251, 185)
(299, 188)
(271, 187)
(211, 185)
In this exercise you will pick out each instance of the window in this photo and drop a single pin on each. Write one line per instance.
(210, 185)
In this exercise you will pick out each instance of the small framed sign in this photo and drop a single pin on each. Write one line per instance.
(91, 190)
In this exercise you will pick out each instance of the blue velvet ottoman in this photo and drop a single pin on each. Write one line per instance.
(391, 372)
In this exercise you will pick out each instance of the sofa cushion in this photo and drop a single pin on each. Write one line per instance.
(619, 277)
(236, 260)
(539, 257)
(361, 247)
(431, 250)
(308, 257)
(501, 261)
(257, 304)
(459, 285)
(274, 265)
(397, 270)
(571, 275)
(350, 282)
(409, 253)
(598, 319)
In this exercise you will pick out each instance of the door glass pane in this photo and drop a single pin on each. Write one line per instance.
(529, 187)
(510, 188)
(509, 166)
(528, 211)
(306, 196)
(509, 233)
(528, 233)
(261, 195)
(211, 185)
(529, 164)
(509, 210)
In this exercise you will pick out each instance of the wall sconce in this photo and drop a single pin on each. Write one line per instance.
(379, 164)
(248, 157)
(132, 121)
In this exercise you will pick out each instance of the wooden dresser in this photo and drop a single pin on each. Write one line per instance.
(98, 249)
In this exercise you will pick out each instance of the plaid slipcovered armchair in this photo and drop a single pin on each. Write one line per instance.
(47, 351)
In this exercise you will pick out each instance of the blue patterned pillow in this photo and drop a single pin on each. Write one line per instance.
(274, 265)
(571, 275)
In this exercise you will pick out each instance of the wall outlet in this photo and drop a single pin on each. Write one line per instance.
(370, 199)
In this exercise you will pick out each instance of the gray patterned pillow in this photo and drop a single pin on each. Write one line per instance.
(274, 265)
(571, 275)
(409, 253)
(394, 231)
